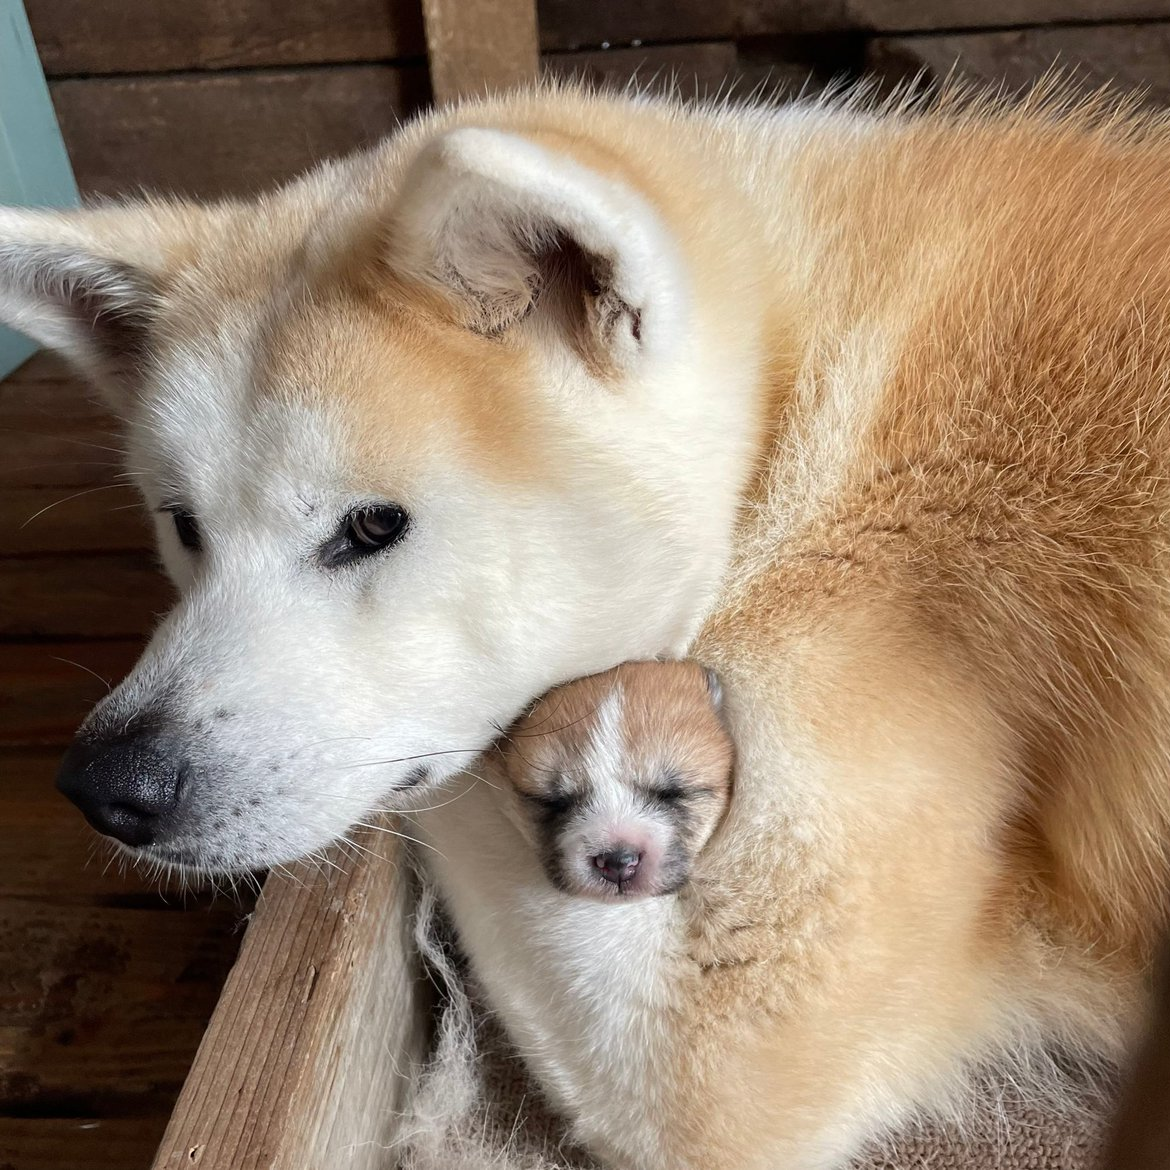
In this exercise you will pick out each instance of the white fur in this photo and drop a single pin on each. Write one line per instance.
(580, 985)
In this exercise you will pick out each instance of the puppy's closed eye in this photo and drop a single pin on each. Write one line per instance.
(552, 804)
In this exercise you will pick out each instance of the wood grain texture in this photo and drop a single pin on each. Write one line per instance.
(47, 689)
(302, 1065)
(922, 15)
(59, 519)
(1127, 57)
(142, 36)
(139, 36)
(81, 595)
(67, 1143)
(217, 134)
(53, 433)
(685, 69)
(94, 1023)
(477, 48)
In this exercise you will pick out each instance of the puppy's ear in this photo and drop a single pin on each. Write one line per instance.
(511, 231)
(82, 283)
(714, 689)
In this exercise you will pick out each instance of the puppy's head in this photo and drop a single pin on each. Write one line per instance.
(620, 779)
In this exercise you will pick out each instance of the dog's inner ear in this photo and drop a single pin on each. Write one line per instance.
(97, 312)
(573, 291)
(513, 234)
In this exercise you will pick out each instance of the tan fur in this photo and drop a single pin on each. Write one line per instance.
(666, 715)
(944, 633)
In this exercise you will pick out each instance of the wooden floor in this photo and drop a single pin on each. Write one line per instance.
(105, 984)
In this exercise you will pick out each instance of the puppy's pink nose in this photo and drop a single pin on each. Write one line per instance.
(618, 865)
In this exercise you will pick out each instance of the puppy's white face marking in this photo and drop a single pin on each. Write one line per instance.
(620, 779)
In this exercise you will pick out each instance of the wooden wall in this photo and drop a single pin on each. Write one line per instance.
(218, 96)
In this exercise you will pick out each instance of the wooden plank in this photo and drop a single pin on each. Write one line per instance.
(304, 1061)
(763, 68)
(53, 431)
(686, 69)
(57, 519)
(923, 15)
(93, 1022)
(69, 1143)
(477, 46)
(138, 36)
(1126, 56)
(569, 24)
(79, 596)
(226, 133)
(47, 689)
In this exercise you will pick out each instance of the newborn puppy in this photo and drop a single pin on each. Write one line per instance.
(620, 778)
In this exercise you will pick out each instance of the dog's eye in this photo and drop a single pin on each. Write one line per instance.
(370, 529)
(670, 790)
(186, 528)
(552, 804)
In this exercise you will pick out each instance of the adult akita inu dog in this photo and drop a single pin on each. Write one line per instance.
(869, 413)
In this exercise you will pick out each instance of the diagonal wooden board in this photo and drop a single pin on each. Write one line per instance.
(306, 1061)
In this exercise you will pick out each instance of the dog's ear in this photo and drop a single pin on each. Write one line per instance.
(82, 283)
(511, 231)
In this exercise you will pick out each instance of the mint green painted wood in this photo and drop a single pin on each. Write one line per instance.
(34, 168)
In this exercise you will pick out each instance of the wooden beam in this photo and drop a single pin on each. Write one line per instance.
(476, 46)
(63, 595)
(93, 1023)
(50, 1143)
(305, 1062)
(1126, 56)
(228, 133)
(144, 36)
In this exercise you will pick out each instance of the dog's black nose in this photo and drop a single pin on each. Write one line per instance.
(124, 787)
(618, 865)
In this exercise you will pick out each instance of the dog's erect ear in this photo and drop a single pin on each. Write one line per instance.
(69, 281)
(510, 230)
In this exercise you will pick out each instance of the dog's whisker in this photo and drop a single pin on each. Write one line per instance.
(105, 487)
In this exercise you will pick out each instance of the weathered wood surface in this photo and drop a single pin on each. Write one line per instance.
(1141, 1133)
(47, 688)
(216, 134)
(69, 1143)
(64, 595)
(690, 70)
(67, 519)
(479, 48)
(1127, 57)
(303, 1065)
(570, 24)
(234, 133)
(53, 433)
(138, 36)
(100, 1007)
(141, 36)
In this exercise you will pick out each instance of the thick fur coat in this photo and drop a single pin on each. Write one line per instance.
(868, 411)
